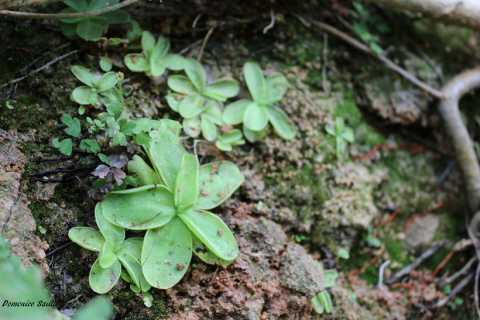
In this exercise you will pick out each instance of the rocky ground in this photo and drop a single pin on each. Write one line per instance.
(390, 198)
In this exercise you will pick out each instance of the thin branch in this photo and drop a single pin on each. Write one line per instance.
(462, 272)
(204, 43)
(39, 69)
(272, 22)
(417, 262)
(455, 291)
(93, 13)
(362, 47)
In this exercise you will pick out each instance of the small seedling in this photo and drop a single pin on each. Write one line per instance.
(154, 59)
(199, 101)
(73, 128)
(114, 252)
(91, 28)
(255, 115)
(322, 302)
(343, 135)
(228, 140)
(98, 87)
(65, 146)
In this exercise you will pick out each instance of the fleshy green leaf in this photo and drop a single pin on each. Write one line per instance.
(234, 112)
(107, 81)
(227, 147)
(130, 257)
(105, 63)
(213, 112)
(132, 247)
(64, 146)
(191, 106)
(77, 5)
(212, 232)
(166, 254)
(166, 154)
(134, 270)
(145, 174)
(209, 129)
(84, 75)
(196, 73)
(139, 210)
(277, 85)
(206, 256)
(73, 125)
(218, 180)
(91, 30)
(192, 126)
(282, 125)
(148, 42)
(221, 90)
(103, 280)
(348, 135)
(322, 302)
(87, 238)
(255, 80)
(135, 190)
(253, 136)
(186, 185)
(107, 256)
(157, 63)
(136, 62)
(181, 84)
(90, 146)
(112, 233)
(98, 308)
(173, 101)
(175, 62)
(255, 117)
(84, 95)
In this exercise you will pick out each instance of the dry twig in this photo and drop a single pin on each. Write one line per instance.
(93, 13)
(362, 47)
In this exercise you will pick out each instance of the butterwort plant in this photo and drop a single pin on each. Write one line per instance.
(199, 100)
(256, 113)
(91, 28)
(97, 88)
(114, 252)
(172, 204)
(155, 58)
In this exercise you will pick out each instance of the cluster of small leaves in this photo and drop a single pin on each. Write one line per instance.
(322, 301)
(170, 201)
(200, 102)
(155, 58)
(21, 284)
(102, 104)
(200, 99)
(363, 25)
(92, 28)
(342, 135)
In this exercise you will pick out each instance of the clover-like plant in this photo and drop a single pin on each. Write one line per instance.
(342, 134)
(91, 28)
(255, 114)
(114, 252)
(97, 87)
(154, 59)
(198, 100)
(172, 204)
